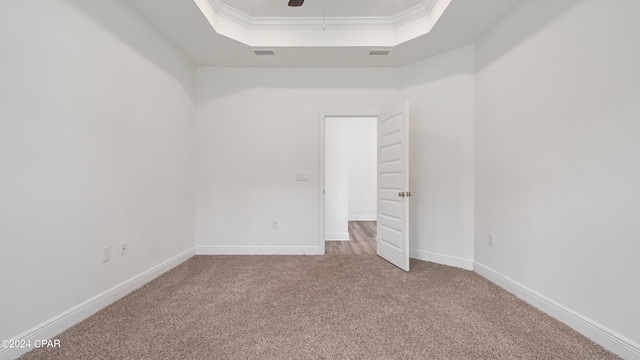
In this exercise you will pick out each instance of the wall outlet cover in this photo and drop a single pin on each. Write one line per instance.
(106, 254)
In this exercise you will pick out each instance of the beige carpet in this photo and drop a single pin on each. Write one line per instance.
(319, 307)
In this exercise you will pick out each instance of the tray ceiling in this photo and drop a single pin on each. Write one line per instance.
(322, 23)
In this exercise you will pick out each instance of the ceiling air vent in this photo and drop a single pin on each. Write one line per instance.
(379, 52)
(263, 52)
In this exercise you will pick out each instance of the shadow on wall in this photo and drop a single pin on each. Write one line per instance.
(536, 20)
(119, 19)
(436, 180)
(440, 67)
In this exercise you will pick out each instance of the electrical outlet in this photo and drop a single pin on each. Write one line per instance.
(274, 224)
(491, 239)
(106, 254)
(123, 249)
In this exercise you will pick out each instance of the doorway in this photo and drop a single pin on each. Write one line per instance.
(350, 164)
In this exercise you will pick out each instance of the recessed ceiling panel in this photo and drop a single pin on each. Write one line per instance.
(322, 23)
(311, 8)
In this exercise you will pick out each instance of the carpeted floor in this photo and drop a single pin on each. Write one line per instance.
(319, 307)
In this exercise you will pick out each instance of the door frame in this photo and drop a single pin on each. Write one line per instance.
(323, 116)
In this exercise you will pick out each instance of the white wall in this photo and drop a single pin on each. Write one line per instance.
(96, 148)
(256, 128)
(362, 156)
(441, 94)
(267, 121)
(336, 150)
(558, 157)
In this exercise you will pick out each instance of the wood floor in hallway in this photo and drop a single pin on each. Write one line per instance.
(362, 240)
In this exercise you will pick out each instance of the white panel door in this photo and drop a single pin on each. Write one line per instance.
(393, 185)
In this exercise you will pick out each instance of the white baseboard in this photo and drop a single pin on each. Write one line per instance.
(363, 218)
(336, 236)
(607, 338)
(448, 260)
(259, 250)
(56, 325)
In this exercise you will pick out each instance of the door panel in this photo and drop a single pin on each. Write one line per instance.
(393, 185)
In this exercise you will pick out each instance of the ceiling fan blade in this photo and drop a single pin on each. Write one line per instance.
(295, 2)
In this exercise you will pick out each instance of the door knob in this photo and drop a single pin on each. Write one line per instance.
(408, 193)
(401, 194)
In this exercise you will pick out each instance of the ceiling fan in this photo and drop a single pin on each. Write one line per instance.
(295, 2)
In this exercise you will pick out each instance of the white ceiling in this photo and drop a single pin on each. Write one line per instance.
(184, 25)
(311, 8)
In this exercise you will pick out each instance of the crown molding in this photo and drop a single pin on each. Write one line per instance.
(232, 14)
(302, 23)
